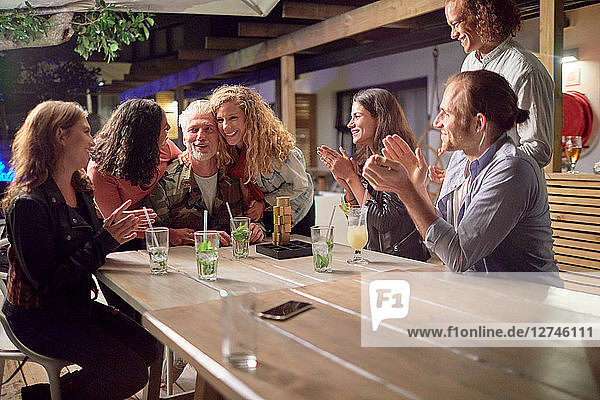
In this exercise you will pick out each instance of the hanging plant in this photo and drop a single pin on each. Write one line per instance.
(106, 31)
(101, 30)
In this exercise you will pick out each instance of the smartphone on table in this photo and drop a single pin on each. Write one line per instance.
(285, 310)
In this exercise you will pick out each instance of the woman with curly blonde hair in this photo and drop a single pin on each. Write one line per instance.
(263, 152)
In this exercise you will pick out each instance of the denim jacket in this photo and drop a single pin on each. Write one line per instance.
(54, 251)
(290, 180)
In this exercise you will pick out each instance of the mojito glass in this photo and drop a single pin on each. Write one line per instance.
(206, 244)
(322, 247)
(240, 235)
(157, 244)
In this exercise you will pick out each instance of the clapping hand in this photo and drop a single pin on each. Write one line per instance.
(397, 150)
(386, 175)
(342, 166)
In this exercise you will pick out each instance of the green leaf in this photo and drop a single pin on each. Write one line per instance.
(146, 33)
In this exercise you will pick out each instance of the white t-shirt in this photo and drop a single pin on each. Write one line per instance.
(208, 187)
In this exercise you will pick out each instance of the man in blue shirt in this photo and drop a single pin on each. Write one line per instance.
(492, 214)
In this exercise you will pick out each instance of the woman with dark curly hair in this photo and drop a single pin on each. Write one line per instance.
(130, 155)
(375, 115)
(263, 154)
(485, 29)
(56, 244)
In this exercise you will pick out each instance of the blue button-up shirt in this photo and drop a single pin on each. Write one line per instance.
(505, 221)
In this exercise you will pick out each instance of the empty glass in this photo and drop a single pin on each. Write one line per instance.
(239, 328)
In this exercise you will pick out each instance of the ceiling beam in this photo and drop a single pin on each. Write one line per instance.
(265, 30)
(371, 16)
(229, 43)
(199, 54)
(315, 11)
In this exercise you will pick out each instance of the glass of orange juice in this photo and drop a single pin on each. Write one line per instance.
(357, 235)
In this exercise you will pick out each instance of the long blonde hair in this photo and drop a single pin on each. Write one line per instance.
(267, 142)
(36, 151)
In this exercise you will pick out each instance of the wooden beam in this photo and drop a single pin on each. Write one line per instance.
(315, 11)
(371, 16)
(199, 54)
(257, 29)
(288, 93)
(228, 43)
(551, 46)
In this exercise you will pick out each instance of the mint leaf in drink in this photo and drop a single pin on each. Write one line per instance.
(322, 262)
(205, 247)
(329, 245)
(241, 234)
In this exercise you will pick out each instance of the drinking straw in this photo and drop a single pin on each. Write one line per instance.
(229, 211)
(362, 207)
(332, 213)
(205, 223)
(150, 226)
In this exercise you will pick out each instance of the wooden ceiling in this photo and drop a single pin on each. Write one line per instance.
(179, 42)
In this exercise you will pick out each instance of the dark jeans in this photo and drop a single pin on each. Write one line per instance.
(113, 351)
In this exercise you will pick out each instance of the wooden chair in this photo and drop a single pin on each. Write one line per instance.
(13, 349)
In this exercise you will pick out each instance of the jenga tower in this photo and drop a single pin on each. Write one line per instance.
(282, 221)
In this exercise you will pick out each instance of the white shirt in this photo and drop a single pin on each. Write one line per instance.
(208, 187)
(535, 91)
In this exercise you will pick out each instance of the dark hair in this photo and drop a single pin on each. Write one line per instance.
(490, 94)
(383, 106)
(495, 20)
(127, 145)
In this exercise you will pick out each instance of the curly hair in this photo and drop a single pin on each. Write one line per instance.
(383, 106)
(266, 140)
(36, 151)
(127, 145)
(495, 20)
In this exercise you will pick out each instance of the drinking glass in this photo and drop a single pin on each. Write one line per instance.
(573, 151)
(157, 244)
(322, 247)
(240, 235)
(206, 244)
(239, 328)
(357, 233)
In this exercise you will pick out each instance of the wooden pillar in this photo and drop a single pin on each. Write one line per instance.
(180, 97)
(551, 47)
(288, 93)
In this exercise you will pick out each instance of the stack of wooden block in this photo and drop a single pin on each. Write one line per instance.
(282, 221)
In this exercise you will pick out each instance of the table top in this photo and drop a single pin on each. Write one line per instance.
(318, 353)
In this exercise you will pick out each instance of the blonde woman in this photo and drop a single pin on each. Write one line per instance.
(262, 152)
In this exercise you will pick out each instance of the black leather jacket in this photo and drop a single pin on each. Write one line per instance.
(391, 230)
(55, 250)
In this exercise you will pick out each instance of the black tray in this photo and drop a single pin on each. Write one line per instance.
(296, 248)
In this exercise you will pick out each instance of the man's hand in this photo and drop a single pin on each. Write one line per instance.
(397, 150)
(386, 175)
(255, 210)
(181, 236)
(256, 233)
(224, 239)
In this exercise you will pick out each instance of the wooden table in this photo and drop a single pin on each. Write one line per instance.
(318, 354)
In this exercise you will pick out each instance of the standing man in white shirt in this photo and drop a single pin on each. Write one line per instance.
(485, 29)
